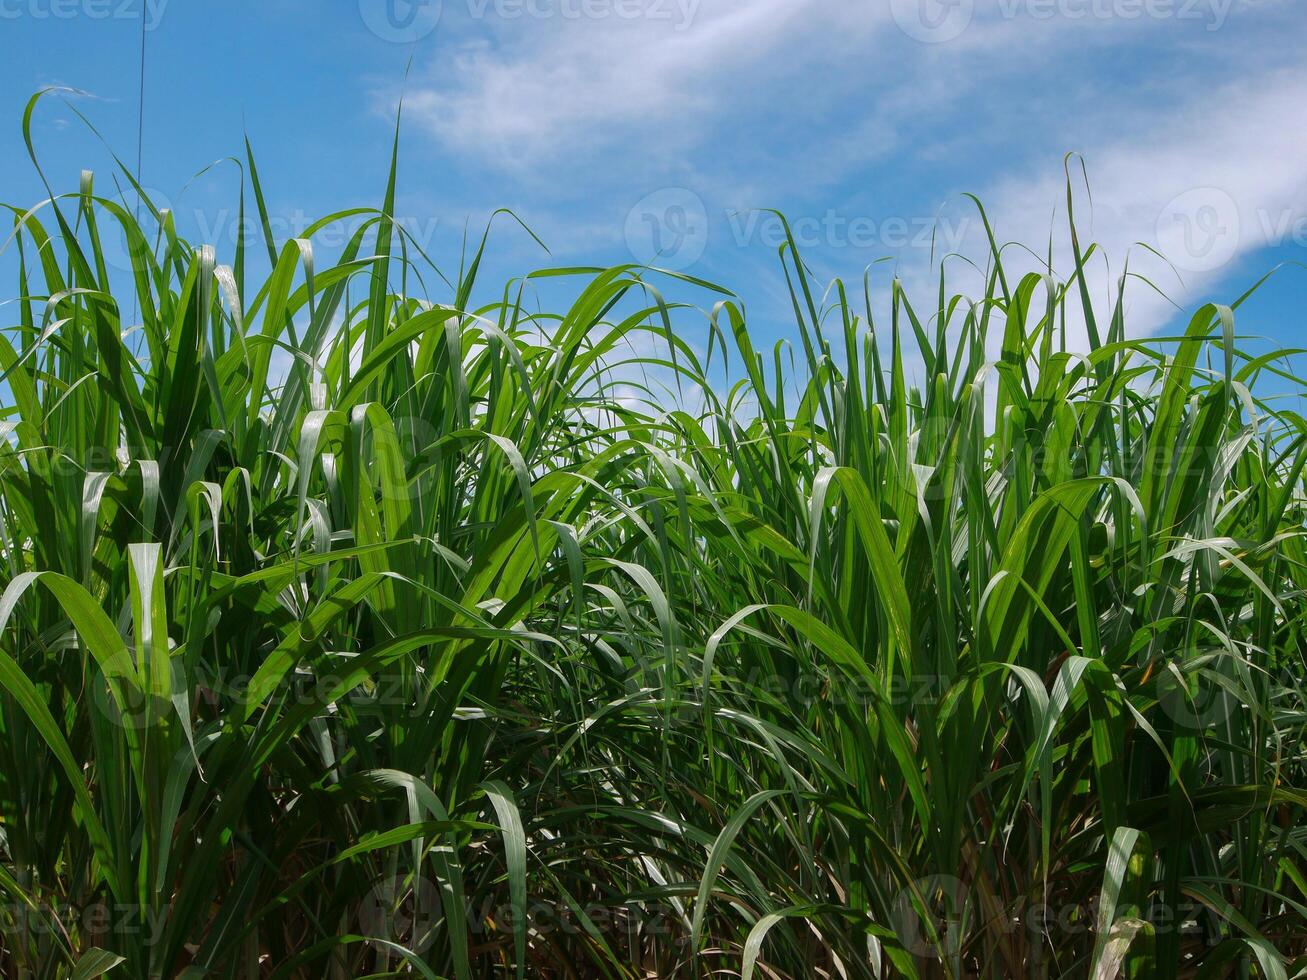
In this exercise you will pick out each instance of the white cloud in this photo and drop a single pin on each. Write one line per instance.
(1205, 184)
(816, 102)
(541, 88)
(529, 82)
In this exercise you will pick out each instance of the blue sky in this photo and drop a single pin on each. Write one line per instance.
(618, 127)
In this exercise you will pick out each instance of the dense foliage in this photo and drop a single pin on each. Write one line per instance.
(349, 633)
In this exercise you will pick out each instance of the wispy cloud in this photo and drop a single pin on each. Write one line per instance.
(1191, 145)
(1205, 184)
(525, 91)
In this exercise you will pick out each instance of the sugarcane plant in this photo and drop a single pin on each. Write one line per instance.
(357, 621)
